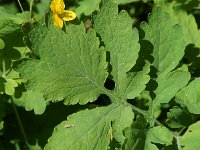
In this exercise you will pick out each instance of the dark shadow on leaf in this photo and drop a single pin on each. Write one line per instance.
(2, 87)
(19, 90)
(188, 5)
(102, 100)
(192, 58)
(145, 52)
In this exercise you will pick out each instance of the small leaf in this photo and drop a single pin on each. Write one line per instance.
(136, 135)
(189, 96)
(178, 118)
(169, 85)
(86, 7)
(10, 86)
(32, 100)
(158, 135)
(190, 140)
(10, 22)
(135, 82)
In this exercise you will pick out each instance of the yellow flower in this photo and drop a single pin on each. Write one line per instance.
(59, 14)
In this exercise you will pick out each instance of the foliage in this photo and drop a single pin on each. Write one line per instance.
(125, 81)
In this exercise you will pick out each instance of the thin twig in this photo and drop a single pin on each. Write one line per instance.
(20, 123)
(20, 5)
(4, 68)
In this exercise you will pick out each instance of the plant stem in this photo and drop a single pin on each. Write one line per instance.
(20, 5)
(146, 115)
(152, 122)
(4, 69)
(20, 123)
(31, 8)
(178, 143)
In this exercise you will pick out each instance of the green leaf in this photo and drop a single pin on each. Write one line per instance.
(42, 6)
(136, 135)
(121, 2)
(189, 26)
(190, 30)
(10, 82)
(2, 44)
(190, 140)
(35, 147)
(122, 43)
(189, 96)
(86, 7)
(10, 22)
(136, 82)
(187, 21)
(71, 64)
(7, 86)
(1, 124)
(101, 126)
(169, 85)
(10, 86)
(32, 100)
(179, 118)
(187, 4)
(158, 135)
(167, 39)
(168, 49)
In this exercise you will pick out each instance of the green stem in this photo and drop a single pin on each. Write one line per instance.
(152, 122)
(20, 123)
(178, 143)
(31, 8)
(146, 115)
(4, 69)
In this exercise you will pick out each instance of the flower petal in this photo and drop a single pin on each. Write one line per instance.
(67, 15)
(57, 6)
(57, 21)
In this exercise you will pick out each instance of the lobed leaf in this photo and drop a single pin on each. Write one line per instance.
(122, 43)
(91, 129)
(179, 118)
(154, 136)
(169, 85)
(186, 21)
(32, 100)
(69, 62)
(168, 43)
(167, 39)
(10, 22)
